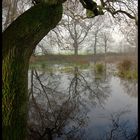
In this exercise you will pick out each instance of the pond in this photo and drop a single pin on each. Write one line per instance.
(79, 102)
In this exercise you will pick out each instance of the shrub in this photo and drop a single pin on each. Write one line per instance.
(99, 68)
(124, 65)
(125, 70)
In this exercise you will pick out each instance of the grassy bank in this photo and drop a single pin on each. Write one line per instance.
(82, 59)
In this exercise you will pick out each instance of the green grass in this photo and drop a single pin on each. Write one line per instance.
(64, 66)
(67, 70)
(128, 74)
(124, 65)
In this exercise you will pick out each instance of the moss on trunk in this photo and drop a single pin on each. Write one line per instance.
(19, 41)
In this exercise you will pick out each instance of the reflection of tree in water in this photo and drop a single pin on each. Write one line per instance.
(52, 113)
(84, 90)
(100, 82)
(119, 128)
(131, 87)
(56, 114)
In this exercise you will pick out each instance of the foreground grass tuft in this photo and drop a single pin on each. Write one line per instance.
(99, 67)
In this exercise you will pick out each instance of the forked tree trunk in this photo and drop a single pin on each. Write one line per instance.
(19, 41)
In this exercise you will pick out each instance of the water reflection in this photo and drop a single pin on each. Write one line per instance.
(86, 88)
(62, 104)
(53, 113)
(130, 87)
(119, 127)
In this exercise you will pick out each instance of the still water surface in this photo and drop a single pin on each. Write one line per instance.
(79, 103)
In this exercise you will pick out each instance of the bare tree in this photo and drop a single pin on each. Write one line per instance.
(121, 9)
(96, 39)
(130, 32)
(12, 9)
(73, 28)
(105, 40)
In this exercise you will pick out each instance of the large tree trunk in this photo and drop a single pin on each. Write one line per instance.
(19, 41)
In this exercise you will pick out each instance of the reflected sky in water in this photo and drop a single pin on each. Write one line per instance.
(93, 102)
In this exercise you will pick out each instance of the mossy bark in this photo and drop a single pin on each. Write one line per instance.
(19, 41)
